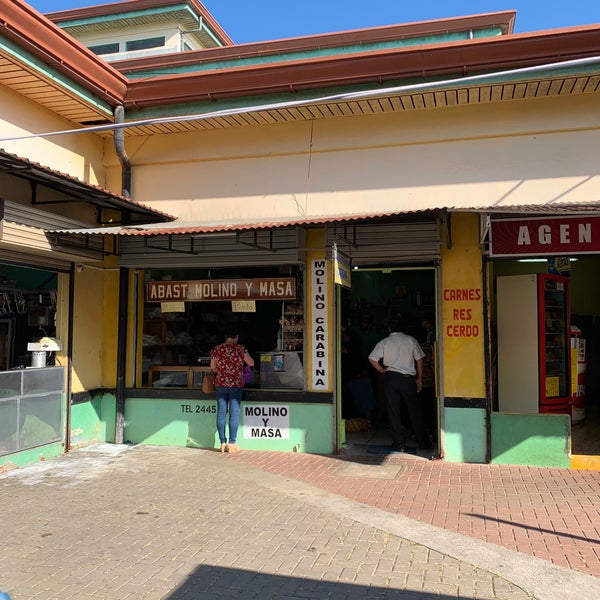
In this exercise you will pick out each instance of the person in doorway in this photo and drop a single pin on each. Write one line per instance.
(366, 337)
(228, 360)
(350, 368)
(428, 397)
(399, 358)
(428, 330)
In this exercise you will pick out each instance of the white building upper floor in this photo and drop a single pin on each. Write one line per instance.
(135, 29)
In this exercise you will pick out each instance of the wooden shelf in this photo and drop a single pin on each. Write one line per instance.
(166, 338)
(192, 376)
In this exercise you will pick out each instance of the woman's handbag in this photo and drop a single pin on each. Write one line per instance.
(208, 383)
(248, 375)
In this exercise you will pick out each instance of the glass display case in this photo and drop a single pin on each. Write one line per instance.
(181, 376)
(31, 408)
(281, 370)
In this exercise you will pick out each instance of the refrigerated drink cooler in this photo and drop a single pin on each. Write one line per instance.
(534, 355)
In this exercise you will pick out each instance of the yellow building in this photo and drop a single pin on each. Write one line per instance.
(236, 174)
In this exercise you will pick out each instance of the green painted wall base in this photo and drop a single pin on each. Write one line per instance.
(29, 457)
(534, 440)
(23, 458)
(192, 423)
(464, 435)
(91, 423)
(94, 421)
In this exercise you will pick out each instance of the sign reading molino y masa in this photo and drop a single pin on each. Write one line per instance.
(212, 290)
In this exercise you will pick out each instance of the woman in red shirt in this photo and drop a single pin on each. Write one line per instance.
(228, 360)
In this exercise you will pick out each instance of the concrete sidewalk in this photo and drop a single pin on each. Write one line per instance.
(174, 523)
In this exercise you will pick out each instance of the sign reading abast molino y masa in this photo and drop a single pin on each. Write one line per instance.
(213, 290)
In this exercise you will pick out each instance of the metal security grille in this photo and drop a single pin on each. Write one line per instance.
(246, 248)
(21, 259)
(386, 243)
(366, 243)
(28, 230)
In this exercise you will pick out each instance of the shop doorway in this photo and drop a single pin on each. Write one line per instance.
(377, 295)
(27, 313)
(584, 311)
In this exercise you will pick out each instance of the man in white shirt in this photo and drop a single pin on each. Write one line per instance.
(399, 358)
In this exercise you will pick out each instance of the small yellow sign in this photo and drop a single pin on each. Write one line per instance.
(342, 268)
(574, 357)
(243, 305)
(172, 307)
(552, 387)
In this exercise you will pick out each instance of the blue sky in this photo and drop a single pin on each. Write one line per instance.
(261, 20)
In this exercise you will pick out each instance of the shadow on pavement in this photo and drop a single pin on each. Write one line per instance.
(214, 583)
(534, 528)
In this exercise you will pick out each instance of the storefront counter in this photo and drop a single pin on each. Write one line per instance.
(278, 371)
(280, 420)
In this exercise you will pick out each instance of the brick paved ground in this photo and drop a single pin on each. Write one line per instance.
(113, 522)
(552, 514)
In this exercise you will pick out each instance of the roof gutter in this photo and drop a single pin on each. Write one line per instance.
(324, 41)
(380, 92)
(29, 29)
(459, 59)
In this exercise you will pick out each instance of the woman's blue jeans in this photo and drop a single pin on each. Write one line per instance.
(228, 398)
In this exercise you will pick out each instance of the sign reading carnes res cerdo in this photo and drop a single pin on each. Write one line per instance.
(545, 236)
(214, 290)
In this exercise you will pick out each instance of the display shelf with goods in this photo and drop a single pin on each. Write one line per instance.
(166, 339)
(292, 327)
(555, 340)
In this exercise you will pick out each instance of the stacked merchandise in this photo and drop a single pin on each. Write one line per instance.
(578, 365)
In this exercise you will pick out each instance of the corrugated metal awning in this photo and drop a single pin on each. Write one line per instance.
(75, 190)
(198, 227)
(180, 227)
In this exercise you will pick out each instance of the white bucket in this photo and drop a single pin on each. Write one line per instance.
(38, 358)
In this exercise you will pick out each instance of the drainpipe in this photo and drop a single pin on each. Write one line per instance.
(123, 287)
(121, 354)
(136, 285)
(121, 154)
(488, 359)
(70, 327)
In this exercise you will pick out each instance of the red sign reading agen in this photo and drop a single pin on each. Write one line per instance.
(548, 236)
